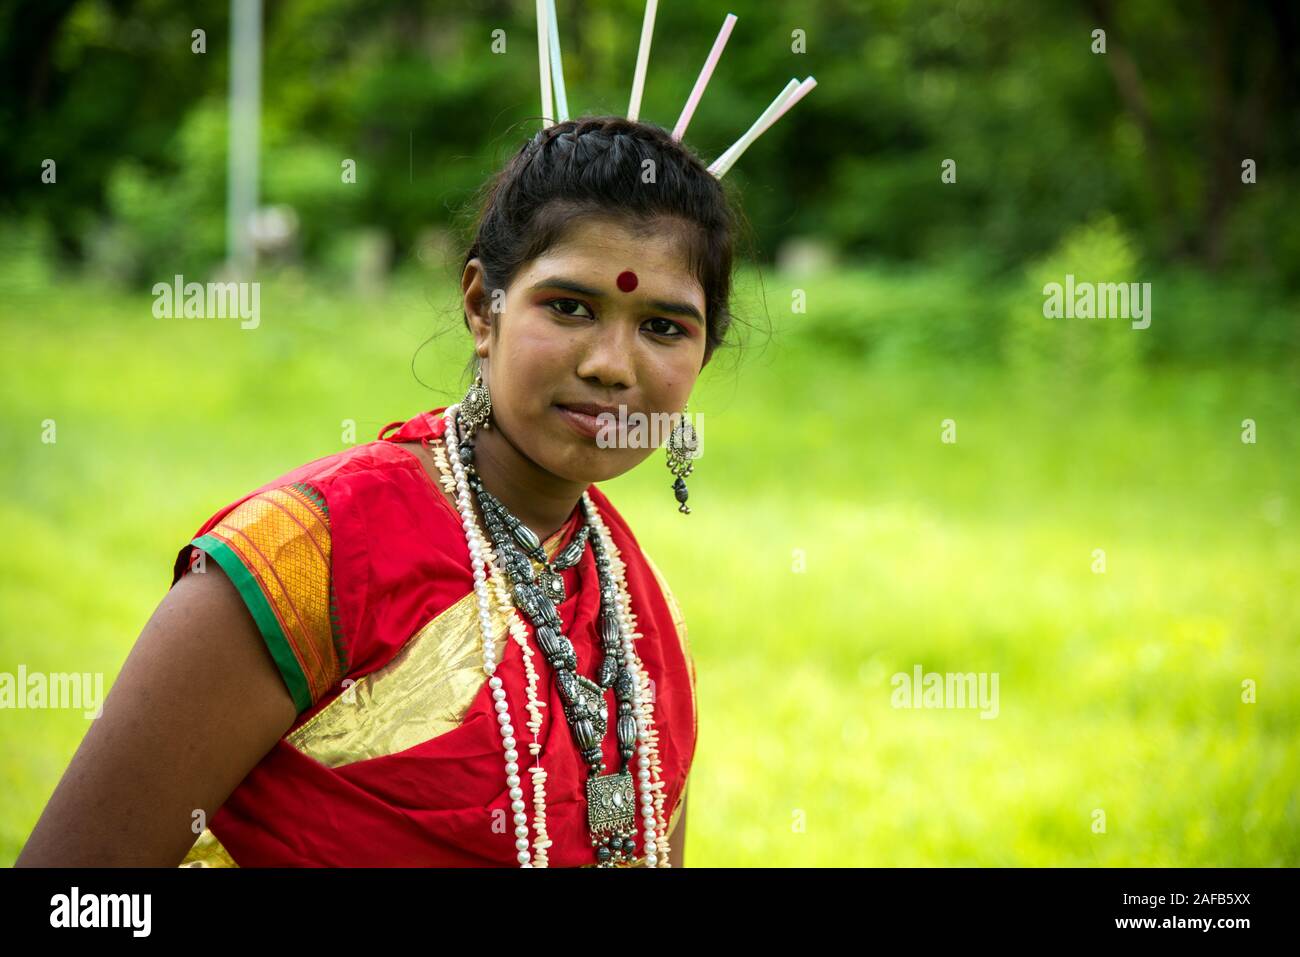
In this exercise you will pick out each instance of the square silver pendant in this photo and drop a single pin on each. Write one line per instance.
(611, 803)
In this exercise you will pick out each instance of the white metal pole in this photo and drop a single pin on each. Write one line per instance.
(245, 122)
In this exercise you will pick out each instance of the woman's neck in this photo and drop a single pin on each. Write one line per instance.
(539, 499)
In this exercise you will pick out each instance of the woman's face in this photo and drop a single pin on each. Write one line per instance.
(606, 317)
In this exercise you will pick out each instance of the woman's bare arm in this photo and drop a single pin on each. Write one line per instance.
(198, 703)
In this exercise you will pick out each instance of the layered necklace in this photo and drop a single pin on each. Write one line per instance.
(611, 798)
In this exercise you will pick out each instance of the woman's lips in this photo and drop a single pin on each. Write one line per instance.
(585, 425)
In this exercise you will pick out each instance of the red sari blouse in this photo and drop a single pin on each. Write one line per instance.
(356, 570)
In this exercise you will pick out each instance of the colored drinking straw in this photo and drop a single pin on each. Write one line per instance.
(642, 58)
(703, 79)
(792, 94)
(728, 155)
(543, 61)
(557, 66)
(804, 88)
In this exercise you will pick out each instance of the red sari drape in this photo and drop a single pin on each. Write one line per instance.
(356, 569)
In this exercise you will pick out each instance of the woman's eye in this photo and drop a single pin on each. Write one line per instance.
(658, 326)
(558, 304)
(667, 328)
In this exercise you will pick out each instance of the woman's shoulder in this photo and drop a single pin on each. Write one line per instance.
(300, 499)
(643, 568)
(322, 481)
(357, 463)
(283, 543)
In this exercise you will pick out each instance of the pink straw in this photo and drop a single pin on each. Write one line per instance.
(642, 57)
(702, 81)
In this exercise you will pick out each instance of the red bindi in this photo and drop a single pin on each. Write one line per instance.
(627, 280)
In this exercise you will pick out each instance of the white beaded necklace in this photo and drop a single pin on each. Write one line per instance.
(650, 782)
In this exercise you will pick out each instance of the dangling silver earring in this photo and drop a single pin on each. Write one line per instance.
(682, 447)
(476, 407)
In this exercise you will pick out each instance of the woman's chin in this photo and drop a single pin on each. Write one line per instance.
(593, 465)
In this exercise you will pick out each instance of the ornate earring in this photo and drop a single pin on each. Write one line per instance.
(476, 407)
(683, 445)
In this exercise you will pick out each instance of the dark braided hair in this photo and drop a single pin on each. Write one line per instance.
(598, 165)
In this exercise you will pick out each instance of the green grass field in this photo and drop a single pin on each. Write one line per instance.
(1120, 692)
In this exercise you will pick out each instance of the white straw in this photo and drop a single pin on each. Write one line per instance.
(724, 162)
(702, 80)
(543, 62)
(557, 66)
(642, 58)
(728, 159)
(804, 88)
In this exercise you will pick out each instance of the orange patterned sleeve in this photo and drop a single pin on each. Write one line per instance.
(275, 549)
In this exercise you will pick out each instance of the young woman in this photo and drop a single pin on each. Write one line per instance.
(445, 647)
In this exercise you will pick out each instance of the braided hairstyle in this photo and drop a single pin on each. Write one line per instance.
(598, 165)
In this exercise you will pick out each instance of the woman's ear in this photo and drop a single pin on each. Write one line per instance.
(477, 306)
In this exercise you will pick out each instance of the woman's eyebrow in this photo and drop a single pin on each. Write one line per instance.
(676, 308)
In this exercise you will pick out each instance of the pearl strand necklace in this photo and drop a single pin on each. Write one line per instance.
(646, 752)
(517, 631)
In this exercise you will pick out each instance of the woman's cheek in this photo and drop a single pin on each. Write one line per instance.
(536, 335)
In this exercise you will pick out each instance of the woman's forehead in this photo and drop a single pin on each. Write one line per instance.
(603, 250)
(596, 234)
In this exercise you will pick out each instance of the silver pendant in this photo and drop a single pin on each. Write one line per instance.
(611, 803)
(590, 704)
(552, 585)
